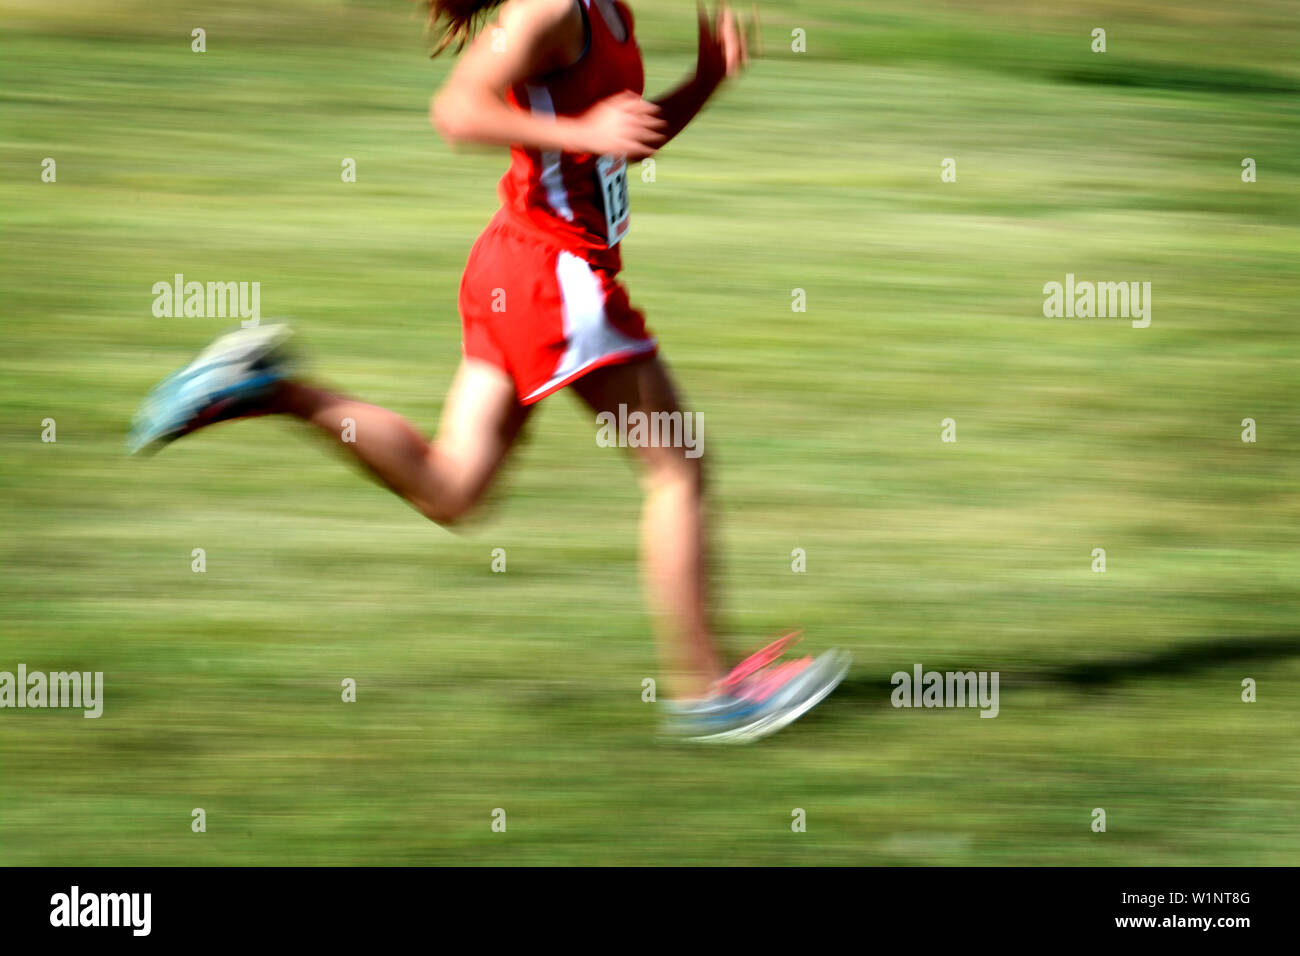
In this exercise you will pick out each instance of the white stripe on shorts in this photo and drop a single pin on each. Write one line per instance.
(590, 336)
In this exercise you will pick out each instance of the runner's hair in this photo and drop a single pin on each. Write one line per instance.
(453, 23)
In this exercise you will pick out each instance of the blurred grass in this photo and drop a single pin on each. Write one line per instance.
(819, 171)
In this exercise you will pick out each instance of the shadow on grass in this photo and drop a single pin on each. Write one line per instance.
(866, 690)
(1177, 76)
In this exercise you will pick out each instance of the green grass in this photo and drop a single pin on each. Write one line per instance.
(522, 690)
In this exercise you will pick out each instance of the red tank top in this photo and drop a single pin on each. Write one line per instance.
(576, 200)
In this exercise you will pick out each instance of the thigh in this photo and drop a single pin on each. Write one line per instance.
(480, 422)
(644, 385)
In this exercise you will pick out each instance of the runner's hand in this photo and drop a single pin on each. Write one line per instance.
(624, 124)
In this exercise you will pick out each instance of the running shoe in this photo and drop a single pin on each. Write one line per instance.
(761, 695)
(229, 378)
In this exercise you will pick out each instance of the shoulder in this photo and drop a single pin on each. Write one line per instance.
(553, 30)
(540, 15)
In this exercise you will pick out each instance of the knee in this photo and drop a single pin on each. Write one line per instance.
(452, 490)
(448, 510)
(681, 471)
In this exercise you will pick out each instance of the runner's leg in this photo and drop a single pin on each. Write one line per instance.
(673, 531)
(443, 478)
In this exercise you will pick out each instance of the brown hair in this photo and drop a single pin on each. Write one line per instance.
(453, 23)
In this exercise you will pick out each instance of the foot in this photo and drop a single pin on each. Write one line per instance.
(761, 695)
(231, 377)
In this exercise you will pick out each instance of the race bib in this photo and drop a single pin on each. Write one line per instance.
(611, 172)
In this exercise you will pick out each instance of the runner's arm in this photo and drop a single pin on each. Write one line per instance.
(722, 52)
(532, 38)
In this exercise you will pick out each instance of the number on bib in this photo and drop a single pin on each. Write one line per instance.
(611, 171)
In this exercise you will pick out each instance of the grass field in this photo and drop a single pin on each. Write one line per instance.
(820, 171)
